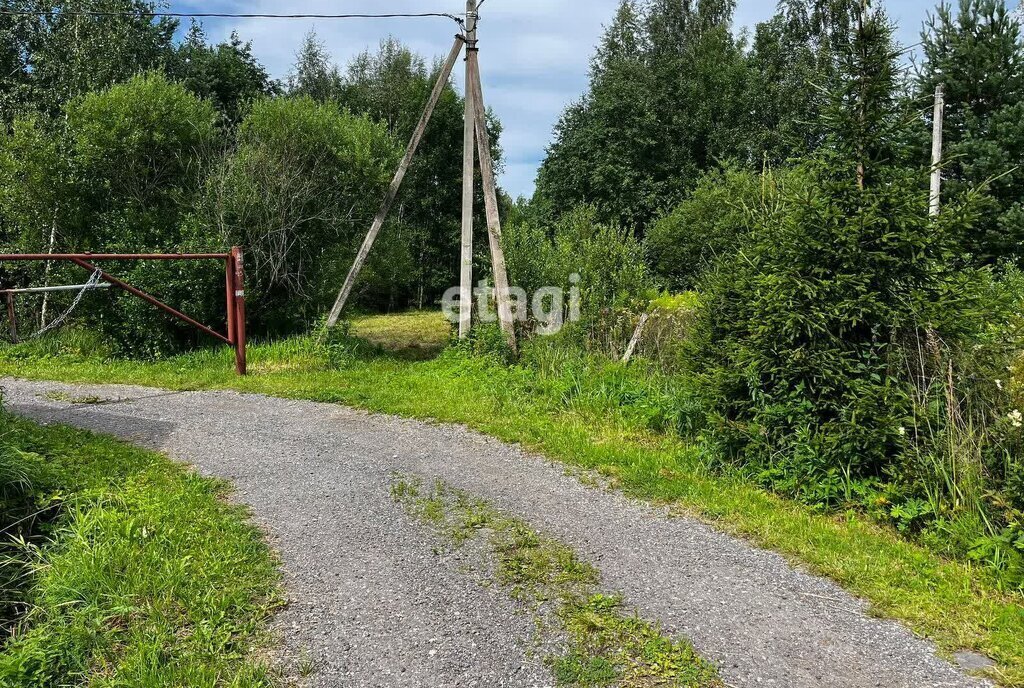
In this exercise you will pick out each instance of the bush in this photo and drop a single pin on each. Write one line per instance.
(119, 176)
(809, 341)
(706, 227)
(296, 192)
(602, 264)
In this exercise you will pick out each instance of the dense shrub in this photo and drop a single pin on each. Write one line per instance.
(804, 336)
(597, 266)
(707, 226)
(117, 174)
(841, 357)
(296, 193)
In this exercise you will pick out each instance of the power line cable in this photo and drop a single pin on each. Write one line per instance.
(229, 15)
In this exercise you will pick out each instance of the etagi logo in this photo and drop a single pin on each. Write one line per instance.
(549, 308)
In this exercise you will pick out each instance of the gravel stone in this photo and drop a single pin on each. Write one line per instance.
(374, 604)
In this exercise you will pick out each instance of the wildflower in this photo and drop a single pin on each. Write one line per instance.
(999, 385)
(1016, 418)
(902, 431)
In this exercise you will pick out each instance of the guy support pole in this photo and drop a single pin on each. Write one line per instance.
(468, 173)
(396, 183)
(501, 286)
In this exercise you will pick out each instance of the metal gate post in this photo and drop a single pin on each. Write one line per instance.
(229, 279)
(239, 300)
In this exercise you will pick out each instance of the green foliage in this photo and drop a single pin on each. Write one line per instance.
(74, 47)
(661, 108)
(292, 192)
(793, 61)
(126, 554)
(118, 174)
(595, 265)
(414, 263)
(977, 53)
(842, 355)
(577, 415)
(141, 151)
(314, 75)
(226, 74)
(706, 227)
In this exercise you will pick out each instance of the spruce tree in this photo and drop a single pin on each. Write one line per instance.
(806, 338)
(663, 106)
(977, 53)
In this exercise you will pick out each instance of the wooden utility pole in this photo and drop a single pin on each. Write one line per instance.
(475, 139)
(468, 173)
(935, 198)
(396, 183)
(501, 286)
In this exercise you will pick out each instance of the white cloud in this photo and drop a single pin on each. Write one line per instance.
(534, 53)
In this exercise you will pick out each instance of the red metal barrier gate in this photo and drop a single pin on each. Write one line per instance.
(234, 277)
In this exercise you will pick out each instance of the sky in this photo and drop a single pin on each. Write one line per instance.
(534, 54)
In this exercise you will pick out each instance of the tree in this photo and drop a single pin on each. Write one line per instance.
(978, 54)
(80, 46)
(303, 176)
(792, 65)
(314, 74)
(663, 106)
(604, 144)
(705, 228)
(814, 340)
(15, 75)
(142, 149)
(226, 74)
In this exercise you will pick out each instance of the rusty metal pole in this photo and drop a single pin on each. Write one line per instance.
(239, 283)
(12, 319)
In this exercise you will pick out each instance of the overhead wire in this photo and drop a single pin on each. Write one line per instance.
(236, 15)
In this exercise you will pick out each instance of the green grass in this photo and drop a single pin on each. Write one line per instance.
(142, 574)
(607, 644)
(418, 335)
(598, 417)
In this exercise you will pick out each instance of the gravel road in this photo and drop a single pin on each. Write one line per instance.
(373, 605)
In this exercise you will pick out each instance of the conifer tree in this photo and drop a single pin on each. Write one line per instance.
(662, 107)
(806, 337)
(977, 53)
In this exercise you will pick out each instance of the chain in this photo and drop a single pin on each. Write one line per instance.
(58, 321)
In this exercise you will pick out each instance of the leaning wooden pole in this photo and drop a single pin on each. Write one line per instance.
(501, 287)
(468, 177)
(396, 183)
(935, 197)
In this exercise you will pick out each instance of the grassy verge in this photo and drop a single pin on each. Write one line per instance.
(598, 416)
(134, 571)
(598, 641)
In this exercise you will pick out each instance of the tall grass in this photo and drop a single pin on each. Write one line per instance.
(124, 569)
